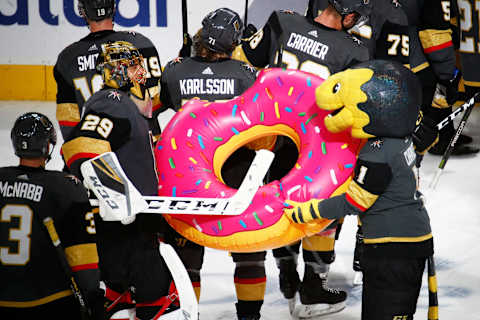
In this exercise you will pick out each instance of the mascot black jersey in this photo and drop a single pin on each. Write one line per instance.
(77, 79)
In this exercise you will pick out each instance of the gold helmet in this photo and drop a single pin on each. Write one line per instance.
(115, 62)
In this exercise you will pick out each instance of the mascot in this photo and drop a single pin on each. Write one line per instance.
(379, 100)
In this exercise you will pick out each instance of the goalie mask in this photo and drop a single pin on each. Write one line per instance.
(377, 98)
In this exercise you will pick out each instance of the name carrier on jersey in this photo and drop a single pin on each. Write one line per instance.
(306, 45)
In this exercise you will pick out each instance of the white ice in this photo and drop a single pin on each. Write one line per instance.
(454, 209)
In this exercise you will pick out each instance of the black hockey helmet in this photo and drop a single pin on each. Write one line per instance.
(362, 7)
(221, 29)
(96, 10)
(32, 134)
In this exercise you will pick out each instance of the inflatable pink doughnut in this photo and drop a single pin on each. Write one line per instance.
(200, 138)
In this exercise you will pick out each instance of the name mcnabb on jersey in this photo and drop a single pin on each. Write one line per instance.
(207, 86)
(24, 190)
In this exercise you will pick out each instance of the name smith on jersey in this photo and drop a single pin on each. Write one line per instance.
(21, 190)
(306, 45)
(207, 86)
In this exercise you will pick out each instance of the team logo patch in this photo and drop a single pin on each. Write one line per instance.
(377, 143)
(249, 68)
(115, 95)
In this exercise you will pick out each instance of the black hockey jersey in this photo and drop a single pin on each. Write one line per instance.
(184, 79)
(112, 122)
(30, 271)
(77, 79)
(304, 45)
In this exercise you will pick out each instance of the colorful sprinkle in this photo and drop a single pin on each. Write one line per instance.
(300, 95)
(234, 110)
(212, 111)
(277, 111)
(255, 97)
(245, 118)
(279, 81)
(308, 179)
(288, 109)
(286, 204)
(214, 229)
(207, 184)
(302, 114)
(159, 147)
(344, 146)
(198, 182)
(269, 209)
(333, 176)
(262, 116)
(340, 166)
(317, 169)
(310, 153)
(193, 115)
(205, 122)
(324, 148)
(349, 165)
(262, 79)
(204, 157)
(174, 144)
(189, 191)
(311, 117)
(255, 215)
(293, 189)
(280, 185)
(290, 91)
(317, 130)
(162, 176)
(244, 225)
(179, 175)
(269, 94)
(222, 193)
(218, 138)
(206, 170)
(235, 131)
(200, 142)
(277, 194)
(219, 224)
(190, 145)
(197, 226)
(174, 191)
(298, 166)
(189, 132)
(172, 164)
(309, 82)
(304, 130)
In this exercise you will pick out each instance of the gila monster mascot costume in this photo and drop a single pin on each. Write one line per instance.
(379, 101)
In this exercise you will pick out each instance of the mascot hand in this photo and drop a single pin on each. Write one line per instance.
(425, 135)
(303, 212)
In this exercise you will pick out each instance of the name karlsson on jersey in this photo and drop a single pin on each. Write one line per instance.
(207, 86)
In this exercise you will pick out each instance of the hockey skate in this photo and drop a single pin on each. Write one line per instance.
(317, 299)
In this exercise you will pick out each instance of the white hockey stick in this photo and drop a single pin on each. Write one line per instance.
(188, 300)
(119, 200)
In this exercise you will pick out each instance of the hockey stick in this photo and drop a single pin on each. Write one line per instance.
(184, 18)
(453, 141)
(188, 300)
(471, 102)
(52, 232)
(119, 200)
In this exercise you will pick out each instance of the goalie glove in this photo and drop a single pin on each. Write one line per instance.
(303, 212)
(425, 135)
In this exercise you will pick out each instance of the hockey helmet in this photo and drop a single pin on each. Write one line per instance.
(114, 62)
(32, 135)
(377, 98)
(221, 29)
(96, 10)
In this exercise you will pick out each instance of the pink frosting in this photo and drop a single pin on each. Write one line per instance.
(185, 152)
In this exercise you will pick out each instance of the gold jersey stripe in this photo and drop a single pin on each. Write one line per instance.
(398, 239)
(82, 254)
(319, 243)
(361, 196)
(420, 67)
(68, 112)
(38, 302)
(432, 37)
(84, 145)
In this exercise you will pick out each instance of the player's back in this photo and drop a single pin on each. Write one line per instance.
(30, 271)
(312, 47)
(222, 79)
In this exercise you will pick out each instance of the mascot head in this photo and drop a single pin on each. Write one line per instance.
(377, 98)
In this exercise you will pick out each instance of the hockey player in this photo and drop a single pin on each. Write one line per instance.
(115, 119)
(74, 70)
(317, 43)
(212, 75)
(383, 192)
(35, 284)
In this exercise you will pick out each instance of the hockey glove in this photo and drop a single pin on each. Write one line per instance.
(186, 50)
(449, 88)
(425, 135)
(303, 212)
